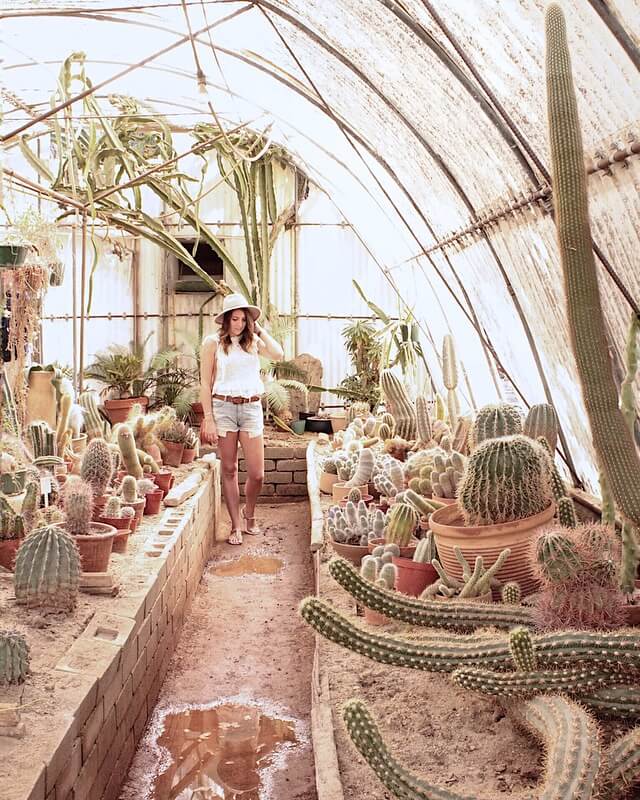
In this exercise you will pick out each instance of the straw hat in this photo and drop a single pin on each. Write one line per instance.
(233, 301)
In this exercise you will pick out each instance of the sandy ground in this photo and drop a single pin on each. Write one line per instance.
(244, 643)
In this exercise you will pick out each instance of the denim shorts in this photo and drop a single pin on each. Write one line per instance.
(233, 417)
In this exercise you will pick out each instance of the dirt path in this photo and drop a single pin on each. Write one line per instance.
(235, 705)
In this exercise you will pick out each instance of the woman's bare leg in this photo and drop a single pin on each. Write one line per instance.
(228, 453)
(253, 449)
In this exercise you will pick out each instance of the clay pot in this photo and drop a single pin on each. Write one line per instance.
(352, 552)
(118, 410)
(446, 501)
(197, 413)
(8, 550)
(95, 548)
(340, 492)
(123, 529)
(99, 502)
(327, 479)
(372, 617)
(79, 443)
(154, 451)
(366, 498)
(405, 552)
(41, 397)
(338, 422)
(413, 577)
(188, 454)
(163, 480)
(173, 453)
(138, 507)
(152, 502)
(488, 541)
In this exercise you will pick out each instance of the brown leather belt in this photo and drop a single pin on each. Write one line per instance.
(236, 400)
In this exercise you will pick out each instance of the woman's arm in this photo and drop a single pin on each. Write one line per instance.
(270, 347)
(207, 379)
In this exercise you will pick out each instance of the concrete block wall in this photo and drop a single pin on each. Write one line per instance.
(285, 472)
(109, 680)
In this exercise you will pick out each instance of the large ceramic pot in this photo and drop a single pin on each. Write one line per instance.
(327, 479)
(41, 397)
(95, 548)
(352, 552)
(118, 410)
(8, 550)
(489, 541)
(173, 453)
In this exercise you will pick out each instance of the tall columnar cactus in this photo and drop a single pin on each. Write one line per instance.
(43, 439)
(129, 489)
(613, 442)
(622, 761)
(424, 426)
(426, 549)
(505, 479)
(97, 466)
(387, 419)
(558, 488)
(400, 404)
(128, 451)
(566, 512)
(77, 498)
(494, 421)
(95, 425)
(364, 470)
(423, 506)
(14, 658)
(542, 420)
(384, 432)
(401, 523)
(63, 429)
(47, 572)
(450, 378)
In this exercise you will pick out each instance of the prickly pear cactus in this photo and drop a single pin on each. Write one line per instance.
(47, 571)
(14, 657)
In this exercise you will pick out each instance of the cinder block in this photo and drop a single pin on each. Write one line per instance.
(277, 477)
(291, 465)
(107, 735)
(291, 490)
(110, 628)
(91, 656)
(276, 452)
(268, 490)
(87, 776)
(300, 477)
(129, 658)
(140, 722)
(124, 700)
(91, 729)
(143, 634)
(138, 670)
(112, 691)
(70, 770)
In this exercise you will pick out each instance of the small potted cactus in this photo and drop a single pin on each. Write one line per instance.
(504, 498)
(96, 469)
(413, 575)
(152, 494)
(402, 521)
(477, 583)
(380, 570)
(354, 472)
(94, 539)
(131, 498)
(173, 442)
(328, 474)
(190, 446)
(48, 566)
(351, 527)
(120, 517)
(15, 526)
(355, 496)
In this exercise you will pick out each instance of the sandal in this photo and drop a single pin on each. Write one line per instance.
(235, 537)
(253, 529)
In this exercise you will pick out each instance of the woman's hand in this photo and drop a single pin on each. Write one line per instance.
(208, 431)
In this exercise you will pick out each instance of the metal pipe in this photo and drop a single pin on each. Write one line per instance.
(83, 281)
(135, 260)
(74, 302)
(146, 315)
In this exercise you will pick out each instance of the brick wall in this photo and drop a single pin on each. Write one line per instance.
(285, 472)
(108, 682)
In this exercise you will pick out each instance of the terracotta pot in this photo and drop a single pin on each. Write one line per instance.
(138, 507)
(339, 491)
(413, 577)
(367, 498)
(41, 397)
(489, 541)
(99, 502)
(327, 479)
(405, 552)
(120, 541)
(79, 443)
(188, 454)
(197, 413)
(163, 479)
(173, 453)
(372, 617)
(95, 548)
(446, 501)
(352, 552)
(152, 502)
(8, 550)
(119, 523)
(338, 422)
(154, 451)
(118, 410)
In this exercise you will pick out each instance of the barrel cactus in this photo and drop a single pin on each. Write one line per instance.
(494, 421)
(97, 466)
(401, 523)
(14, 657)
(542, 420)
(505, 479)
(47, 572)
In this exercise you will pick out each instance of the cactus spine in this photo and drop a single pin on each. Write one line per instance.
(613, 442)
(402, 408)
(14, 658)
(128, 451)
(47, 571)
(401, 523)
(622, 761)
(505, 479)
(511, 593)
(494, 421)
(97, 466)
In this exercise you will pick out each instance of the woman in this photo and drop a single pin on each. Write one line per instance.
(230, 393)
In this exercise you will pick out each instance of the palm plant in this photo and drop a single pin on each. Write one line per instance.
(174, 384)
(121, 370)
(364, 349)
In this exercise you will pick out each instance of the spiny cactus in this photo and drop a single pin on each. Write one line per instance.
(97, 467)
(47, 571)
(542, 420)
(424, 426)
(128, 451)
(511, 593)
(388, 477)
(43, 440)
(426, 549)
(112, 507)
(354, 496)
(423, 506)
(473, 584)
(129, 489)
(364, 470)
(358, 409)
(16, 526)
(400, 405)
(494, 421)
(450, 379)
(95, 425)
(375, 570)
(78, 506)
(14, 657)
(401, 524)
(522, 650)
(145, 486)
(505, 479)
(630, 558)
(384, 432)
(566, 513)
(63, 429)
(447, 474)
(619, 702)
(622, 765)
(613, 442)
(355, 524)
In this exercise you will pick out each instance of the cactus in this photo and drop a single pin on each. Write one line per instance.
(630, 558)
(426, 549)
(63, 429)
(112, 507)
(47, 571)
(96, 467)
(354, 496)
(473, 584)
(128, 451)
(422, 506)
(384, 432)
(383, 574)
(423, 420)
(401, 406)
(522, 650)
(511, 593)
(613, 442)
(555, 557)
(145, 486)
(620, 701)
(355, 524)
(147, 463)
(566, 513)
(129, 489)
(358, 409)
(450, 378)
(43, 440)
(505, 479)
(446, 474)
(95, 425)
(622, 762)
(542, 421)
(388, 420)
(363, 471)
(401, 523)
(14, 657)
(495, 421)
(388, 477)
(78, 506)
(16, 526)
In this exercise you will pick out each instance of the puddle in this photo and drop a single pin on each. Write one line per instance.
(248, 565)
(219, 753)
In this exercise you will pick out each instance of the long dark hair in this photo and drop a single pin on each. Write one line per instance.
(247, 335)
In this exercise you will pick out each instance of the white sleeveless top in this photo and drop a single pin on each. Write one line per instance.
(238, 372)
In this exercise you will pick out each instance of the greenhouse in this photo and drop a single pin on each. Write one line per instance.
(319, 409)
